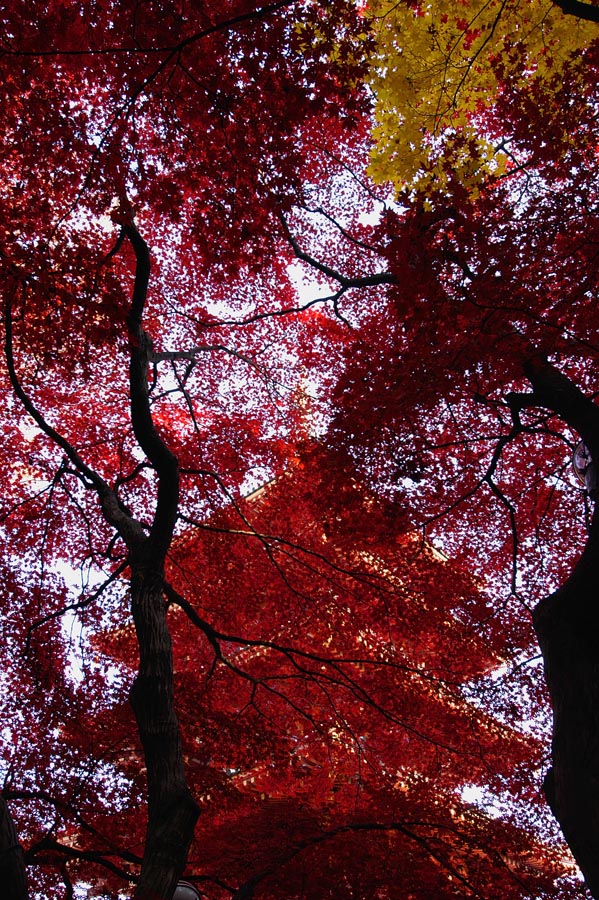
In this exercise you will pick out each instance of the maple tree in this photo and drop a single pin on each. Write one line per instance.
(163, 165)
(210, 128)
(494, 237)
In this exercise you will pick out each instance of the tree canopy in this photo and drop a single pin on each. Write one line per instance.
(449, 78)
(299, 338)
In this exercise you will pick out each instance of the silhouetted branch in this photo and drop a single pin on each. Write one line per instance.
(578, 9)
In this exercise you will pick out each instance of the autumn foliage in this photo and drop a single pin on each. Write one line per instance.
(317, 739)
(445, 76)
(295, 300)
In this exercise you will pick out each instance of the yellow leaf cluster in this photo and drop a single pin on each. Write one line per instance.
(438, 66)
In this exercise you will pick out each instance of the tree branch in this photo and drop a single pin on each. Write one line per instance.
(140, 349)
(172, 50)
(554, 391)
(345, 281)
(408, 829)
(129, 529)
(578, 9)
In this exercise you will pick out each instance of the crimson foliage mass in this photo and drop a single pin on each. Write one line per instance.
(223, 501)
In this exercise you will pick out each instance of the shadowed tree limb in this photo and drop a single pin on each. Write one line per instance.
(578, 9)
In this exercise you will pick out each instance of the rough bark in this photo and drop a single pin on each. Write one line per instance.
(172, 812)
(567, 626)
(13, 876)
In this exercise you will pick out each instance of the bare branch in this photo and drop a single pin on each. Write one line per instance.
(73, 607)
(345, 281)
(112, 509)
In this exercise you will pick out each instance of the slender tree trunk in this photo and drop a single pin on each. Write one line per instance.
(13, 877)
(172, 811)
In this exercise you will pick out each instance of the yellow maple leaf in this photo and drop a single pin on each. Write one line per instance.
(439, 66)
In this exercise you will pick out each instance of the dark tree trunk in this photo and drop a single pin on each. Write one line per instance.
(567, 626)
(172, 811)
(13, 877)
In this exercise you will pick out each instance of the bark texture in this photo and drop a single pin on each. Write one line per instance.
(567, 627)
(13, 877)
(172, 811)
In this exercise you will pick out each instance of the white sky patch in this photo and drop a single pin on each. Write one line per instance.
(474, 795)
(81, 584)
(304, 281)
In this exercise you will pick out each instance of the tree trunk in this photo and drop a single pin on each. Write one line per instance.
(13, 877)
(172, 811)
(567, 627)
